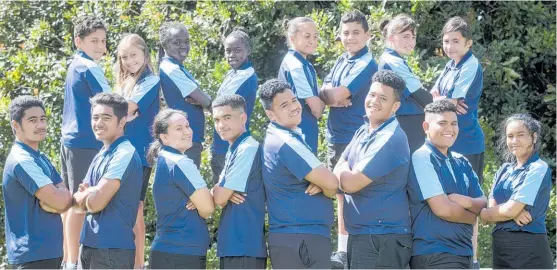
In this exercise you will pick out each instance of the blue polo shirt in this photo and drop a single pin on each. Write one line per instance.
(434, 174)
(243, 82)
(177, 84)
(241, 228)
(145, 94)
(179, 230)
(530, 185)
(113, 226)
(355, 74)
(32, 234)
(383, 155)
(464, 81)
(301, 76)
(286, 161)
(84, 80)
(391, 60)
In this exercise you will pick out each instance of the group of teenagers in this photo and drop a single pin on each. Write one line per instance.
(404, 162)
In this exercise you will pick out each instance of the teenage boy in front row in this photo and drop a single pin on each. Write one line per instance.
(444, 193)
(34, 195)
(110, 191)
(241, 229)
(298, 187)
(373, 173)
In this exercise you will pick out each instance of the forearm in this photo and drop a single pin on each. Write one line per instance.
(477, 205)
(221, 195)
(96, 201)
(497, 213)
(201, 97)
(459, 214)
(422, 97)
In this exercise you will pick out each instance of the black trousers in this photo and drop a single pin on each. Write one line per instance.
(41, 264)
(521, 250)
(164, 260)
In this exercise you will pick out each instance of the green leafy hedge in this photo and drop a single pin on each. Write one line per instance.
(514, 40)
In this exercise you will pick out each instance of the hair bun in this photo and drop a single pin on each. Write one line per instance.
(239, 29)
(383, 25)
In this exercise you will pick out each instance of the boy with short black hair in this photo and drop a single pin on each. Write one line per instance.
(84, 79)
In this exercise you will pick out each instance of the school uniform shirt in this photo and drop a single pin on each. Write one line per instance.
(391, 60)
(355, 74)
(530, 185)
(434, 174)
(177, 83)
(464, 81)
(383, 155)
(241, 228)
(112, 227)
(145, 94)
(301, 76)
(243, 82)
(84, 80)
(286, 161)
(179, 230)
(32, 234)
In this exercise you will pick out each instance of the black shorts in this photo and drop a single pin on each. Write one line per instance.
(145, 185)
(243, 262)
(371, 251)
(334, 152)
(298, 251)
(440, 261)
(41, 264)
(106, 258)
(521, 250)
(75, 164)
(477, 162)
(164, 260)
(412, 126)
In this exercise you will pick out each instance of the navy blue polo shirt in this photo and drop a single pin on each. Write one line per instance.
(84, 80)
(145, 94)
(286, 161)
(112, 227)
(32, 234)
(530, 185)
(243, 82)
(301, 76)
(177, 84)
(241, 228)
(434, 174)
(355, 74)
(179, 230)
(383, 155)
(464, 81)
(391, 60)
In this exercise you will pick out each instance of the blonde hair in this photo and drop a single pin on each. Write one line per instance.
(125, 80)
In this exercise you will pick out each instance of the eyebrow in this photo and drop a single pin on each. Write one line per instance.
(103, 114)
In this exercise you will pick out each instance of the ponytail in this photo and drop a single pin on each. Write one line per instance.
(154, 150)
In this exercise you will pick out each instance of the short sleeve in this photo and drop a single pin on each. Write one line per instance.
(426, 176)
(467, 79)
(381, 159)
(179, 78)
(298, 159)
(301, 78)
(527, 191)
(187, 177)
(360, 75)
(238, 168)
(31, 176)
(96, 80)
(146, 92)
(121, 160)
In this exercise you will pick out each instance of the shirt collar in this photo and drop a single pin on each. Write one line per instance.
(173, 60)
(171, 149)
(361, 53)
(462, 61)
(245, 65)
(115, 143)
(84, 55)
(27, 148)
(298, 56)
(238, 141)
(535, 156)
(297, 131)
(436, 151)
(392, 52)
(145, 74)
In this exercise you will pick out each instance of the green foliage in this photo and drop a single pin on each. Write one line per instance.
(515, 42)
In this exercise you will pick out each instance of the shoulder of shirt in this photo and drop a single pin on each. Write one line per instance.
(167, 66)
(151, 79)
(246, 73)
(125, 147)
(292, 62)
(19, 155)
(422, 152)
(472, 62)
(538, 165)
(89, 64)
(391, 59)
(179, 160)
(248, 144)
(367, 58)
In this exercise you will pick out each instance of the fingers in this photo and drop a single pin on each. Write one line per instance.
(190, 206)
(313, 189)
(237, 198)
